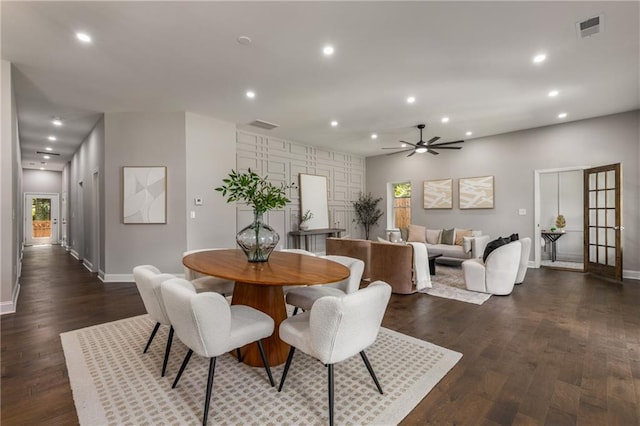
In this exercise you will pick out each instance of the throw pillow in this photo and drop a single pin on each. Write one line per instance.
(466, 244)
(492, 245)
(416, 234)
(460, 234)
(447, 236)
(433, 236)
(404, 233)
(514, 237)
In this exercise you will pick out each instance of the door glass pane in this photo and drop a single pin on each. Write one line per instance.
(592, 199)
(611, 198)
(601, 235)
(602, 258)
(611, 218)
(592, 181)
(592, 254)
(41, 218)
(601, 217)
(592, 217)
(611, 237)
(593, 235)
(611, 179)
(601, 180)
(601, 203)
(611, 256)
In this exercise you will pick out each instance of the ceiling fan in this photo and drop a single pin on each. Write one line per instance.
(421, 146)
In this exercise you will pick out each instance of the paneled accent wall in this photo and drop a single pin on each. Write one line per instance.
(283, 161)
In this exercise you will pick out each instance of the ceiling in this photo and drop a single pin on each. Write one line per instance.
(469, 61)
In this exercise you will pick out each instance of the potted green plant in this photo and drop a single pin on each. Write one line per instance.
(258, 239)
(367, 212)
(306, 216)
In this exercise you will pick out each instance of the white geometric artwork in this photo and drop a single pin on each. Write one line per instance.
(476, 192)
(144, 191)
(438, 194)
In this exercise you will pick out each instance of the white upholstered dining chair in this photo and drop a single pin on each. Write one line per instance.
(304, 297)
(203, 282)
(337, 328)
(148, 279)
(208, 326)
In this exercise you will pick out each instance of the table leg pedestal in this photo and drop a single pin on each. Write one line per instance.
(270, 300)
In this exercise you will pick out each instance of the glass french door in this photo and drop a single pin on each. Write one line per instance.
(41, 218)
(603, 221)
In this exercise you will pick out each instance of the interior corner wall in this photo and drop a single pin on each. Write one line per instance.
(11, 210)
(64, 207)
(282, 161)
(210, 156)
(512, 158)
(144, 139)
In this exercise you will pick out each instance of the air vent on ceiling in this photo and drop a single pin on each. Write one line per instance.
(47, 153)
(264, 124)
(590, 27)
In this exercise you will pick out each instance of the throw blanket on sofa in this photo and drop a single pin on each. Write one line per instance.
(420, 266)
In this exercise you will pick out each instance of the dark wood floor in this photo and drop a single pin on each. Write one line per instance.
(564, 348)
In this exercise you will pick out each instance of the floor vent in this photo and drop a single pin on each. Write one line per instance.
(590, 27)
(263, 124)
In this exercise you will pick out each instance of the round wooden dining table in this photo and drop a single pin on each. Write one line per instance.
(259, 285)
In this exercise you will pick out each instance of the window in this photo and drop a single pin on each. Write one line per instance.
(401, 205)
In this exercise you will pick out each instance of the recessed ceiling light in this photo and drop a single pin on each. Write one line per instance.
(562, 115)
(49, 148)
(46, 157)
(56, 122)
(244, 40)
(251, 94)
(445, 119)
(469, 133)
(374, 136)
(328, 50)
(553, 93)
(83, 37)
(538, 59)
(52, 138)
(41, 168)
(334, 123)
(421, 150)
(411, 99)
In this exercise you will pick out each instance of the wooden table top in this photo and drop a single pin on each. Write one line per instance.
(283, 268)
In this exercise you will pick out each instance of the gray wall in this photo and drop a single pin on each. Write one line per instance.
(512, 159)
(144, 139)
(41, 181)
(11, 205)
(210, 155)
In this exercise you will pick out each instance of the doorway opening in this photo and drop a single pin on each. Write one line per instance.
(41, 218)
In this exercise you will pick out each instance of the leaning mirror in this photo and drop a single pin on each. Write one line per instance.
(313, 197)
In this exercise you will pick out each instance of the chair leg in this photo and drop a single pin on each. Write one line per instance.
(167, 351)
(212, 369)
(182, 367)
(239, 354)
(286, 367)
(265, 362)
(153, 334)
(330, 369)
(373, 375)
(295, 310)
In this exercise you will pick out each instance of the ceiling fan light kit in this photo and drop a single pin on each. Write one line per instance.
(421, 146)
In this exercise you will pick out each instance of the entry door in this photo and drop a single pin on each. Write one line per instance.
(41, 218)
(603, 221)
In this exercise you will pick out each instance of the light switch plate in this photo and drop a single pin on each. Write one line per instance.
(522, 212)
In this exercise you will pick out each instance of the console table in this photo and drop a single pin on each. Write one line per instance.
(552, 237)
(329, 232)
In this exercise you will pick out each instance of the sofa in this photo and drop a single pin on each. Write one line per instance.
(455, 244)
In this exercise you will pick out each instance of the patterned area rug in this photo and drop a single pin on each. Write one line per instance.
(448, 282)
(114, 383)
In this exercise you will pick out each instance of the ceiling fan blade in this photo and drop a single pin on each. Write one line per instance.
(392, 148)
(430, 151)
(408, 143)
(432, 140)
(413, 153)
(399, 152)
(446, 143)
(444, 147)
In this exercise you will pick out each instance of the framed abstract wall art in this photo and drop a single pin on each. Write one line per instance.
(438, 194)
(144, 195)
(476, 192)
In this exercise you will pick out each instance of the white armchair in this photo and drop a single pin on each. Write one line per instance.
(336, 328)
(524, 259)
(497, 274)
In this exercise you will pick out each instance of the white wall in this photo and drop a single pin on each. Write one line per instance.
(512, 159)
(283, 161)
(144, 139)
(210, 155)
(42, 181)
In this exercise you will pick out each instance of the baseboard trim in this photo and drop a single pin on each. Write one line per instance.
(101, 275)
(631, 275)
(87, 265)
(10, 307)
(74, 254)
